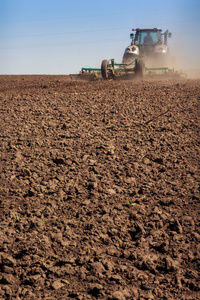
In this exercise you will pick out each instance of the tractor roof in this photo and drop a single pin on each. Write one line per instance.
(148, 29)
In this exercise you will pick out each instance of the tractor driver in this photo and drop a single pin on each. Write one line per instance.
(148, 39)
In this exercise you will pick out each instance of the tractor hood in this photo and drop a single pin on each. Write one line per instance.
(130, 54)
(132, 49)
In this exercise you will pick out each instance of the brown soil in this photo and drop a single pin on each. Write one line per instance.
(99, 189)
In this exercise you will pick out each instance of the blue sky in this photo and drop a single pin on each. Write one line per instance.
(60, 37)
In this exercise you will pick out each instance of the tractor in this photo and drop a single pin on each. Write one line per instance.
(148, 53)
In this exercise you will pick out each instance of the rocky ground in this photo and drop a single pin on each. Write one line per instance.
(99, 189)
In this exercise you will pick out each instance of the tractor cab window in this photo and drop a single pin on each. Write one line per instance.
(147, 37)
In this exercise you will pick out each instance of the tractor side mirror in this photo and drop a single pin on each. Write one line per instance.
(132, 35)
(169, 34)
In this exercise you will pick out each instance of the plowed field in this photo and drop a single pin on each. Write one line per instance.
(99, 189)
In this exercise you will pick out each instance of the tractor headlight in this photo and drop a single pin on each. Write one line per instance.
(162, 50)
(132, 50)
(129, 49)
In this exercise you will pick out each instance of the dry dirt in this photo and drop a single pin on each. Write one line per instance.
(99, 189)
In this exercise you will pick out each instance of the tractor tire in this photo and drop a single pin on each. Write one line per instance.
(104, 69)
(140, 69)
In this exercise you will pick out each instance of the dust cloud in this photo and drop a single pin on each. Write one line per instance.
(186, 57)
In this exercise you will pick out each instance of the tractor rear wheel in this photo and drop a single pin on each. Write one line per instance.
(140, 68)
(104, 69)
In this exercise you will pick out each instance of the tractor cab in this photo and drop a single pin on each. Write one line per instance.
(150, 36)
(147, 36)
